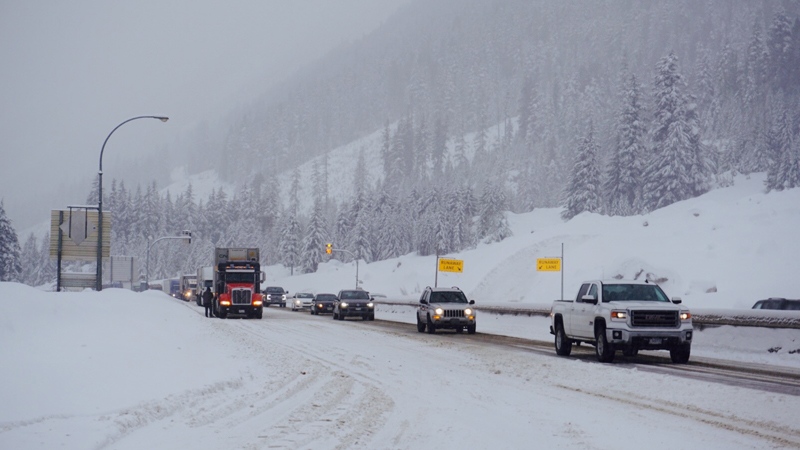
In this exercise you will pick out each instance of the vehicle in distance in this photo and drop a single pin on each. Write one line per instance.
(778, 303)
(275, 295)
(323, 304)
(353, 302)
(445, 308)
(622, 315)
(301, 300)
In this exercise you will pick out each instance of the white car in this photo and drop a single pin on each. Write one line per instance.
(301, 300)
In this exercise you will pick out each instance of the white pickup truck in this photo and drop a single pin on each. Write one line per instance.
(622, 315)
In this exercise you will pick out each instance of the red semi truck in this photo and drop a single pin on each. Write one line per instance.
(237, 281)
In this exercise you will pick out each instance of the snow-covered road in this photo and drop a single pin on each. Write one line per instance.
(293, 380)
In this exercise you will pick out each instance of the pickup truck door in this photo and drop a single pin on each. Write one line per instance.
(583, 315)
(570, 309)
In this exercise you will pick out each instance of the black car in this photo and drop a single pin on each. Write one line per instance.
(323, 303)
(778, 303)
(354, 302)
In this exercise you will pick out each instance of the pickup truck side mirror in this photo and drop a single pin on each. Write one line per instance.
(589, 299)
(676, 300)
(472, 302)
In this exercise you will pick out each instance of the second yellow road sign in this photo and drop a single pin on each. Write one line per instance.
(451, 265)
(548, 264)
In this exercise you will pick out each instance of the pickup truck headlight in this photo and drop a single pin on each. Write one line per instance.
(439, 311)
(283, 297)
(685, 316)
(370, 305)
(343, 305)
(619, 315)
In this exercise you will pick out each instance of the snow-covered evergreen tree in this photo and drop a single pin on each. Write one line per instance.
(675, 168)
(583, 192)
(315, 239)
(10, 251)
(493, 225)
(623, 182)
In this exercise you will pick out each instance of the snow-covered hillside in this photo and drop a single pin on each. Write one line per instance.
(725, 249)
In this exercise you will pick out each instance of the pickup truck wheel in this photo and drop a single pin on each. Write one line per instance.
(471, 328)
(431, 326)
(680, 354)
(420, 325)
(603, 350)
(563, 343)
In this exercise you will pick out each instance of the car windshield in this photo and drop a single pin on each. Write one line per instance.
(304, 295)
(326, 298)
(354, 295)
(633, 292)
(274, 290)
(448, 297)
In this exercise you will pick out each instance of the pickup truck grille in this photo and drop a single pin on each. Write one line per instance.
(241, 296)
(454, 313)
(655, 319)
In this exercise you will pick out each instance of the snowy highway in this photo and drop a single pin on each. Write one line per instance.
(89, 370)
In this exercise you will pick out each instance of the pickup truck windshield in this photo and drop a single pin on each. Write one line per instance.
(633, 292)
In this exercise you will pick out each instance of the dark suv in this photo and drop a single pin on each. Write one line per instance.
(275, 295)
(445, 308)
(354, 302)
(778, 303)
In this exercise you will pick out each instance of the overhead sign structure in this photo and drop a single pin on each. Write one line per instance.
(451, 265)
(73, 234)
(548, 264)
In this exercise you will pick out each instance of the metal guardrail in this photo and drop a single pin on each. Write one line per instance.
(705, 319)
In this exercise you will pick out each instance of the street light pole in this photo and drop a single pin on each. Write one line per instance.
(185, 235)
(99, 282)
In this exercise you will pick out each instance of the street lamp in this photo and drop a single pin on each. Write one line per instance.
(99, 285)
(185, 234)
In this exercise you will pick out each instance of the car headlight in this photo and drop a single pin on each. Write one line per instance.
(439, 311)
(297, 302)
(370, 305)
(686, 315)
(343, 305)
(468, 312)
(619, 315)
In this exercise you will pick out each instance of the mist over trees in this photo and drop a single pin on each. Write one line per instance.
(483, 107)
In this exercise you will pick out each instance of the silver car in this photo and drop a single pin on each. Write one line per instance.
(301, 300)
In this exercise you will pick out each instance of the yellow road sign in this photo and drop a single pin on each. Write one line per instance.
(548, 264)
(451, 265)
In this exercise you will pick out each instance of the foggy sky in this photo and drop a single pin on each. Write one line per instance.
(72, 71)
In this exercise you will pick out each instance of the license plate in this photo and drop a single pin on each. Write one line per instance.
(241, 311)
(358, 309)
(655, 341)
